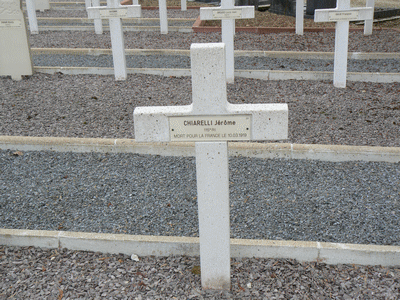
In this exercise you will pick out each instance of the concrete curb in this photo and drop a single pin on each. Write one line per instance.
(238, 53)
(332, 153)
(329, 253)
(184, 29)
(89, 22)
(254, 74)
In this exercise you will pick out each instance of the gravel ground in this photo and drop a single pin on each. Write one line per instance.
(241, 63)
(30, 273)
(363, 114)
(349, 202)
(379, 41)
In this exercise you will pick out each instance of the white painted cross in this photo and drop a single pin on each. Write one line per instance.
(342, 15)
(15, 56)
(114, 12)
(227, 13)
(211, 121)
(31, 10)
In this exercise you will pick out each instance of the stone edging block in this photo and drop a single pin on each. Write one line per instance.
(257, 150)
(329, 253)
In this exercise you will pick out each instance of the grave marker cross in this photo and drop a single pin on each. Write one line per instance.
(114, 12)
(342, 15)
(228, 13)
(210, 121)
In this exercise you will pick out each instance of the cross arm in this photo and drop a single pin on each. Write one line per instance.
(126, 11)
(352, 14)
(211, 13)
(269, 121)
(151, 122)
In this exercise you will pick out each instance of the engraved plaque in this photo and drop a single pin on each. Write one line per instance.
(10, 23)
(113, 13)
(343, 16)
(210, 128)
(222, 14)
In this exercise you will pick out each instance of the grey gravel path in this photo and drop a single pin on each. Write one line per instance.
(29, 273)
(241, 63)
(380, 41)
(363, 114)
(349, 202)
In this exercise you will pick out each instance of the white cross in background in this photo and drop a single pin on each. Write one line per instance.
(369, 23)
(342, 15)
(211, 121)
(228, 13)
(31, 10)
(114, 12)
(299, 17)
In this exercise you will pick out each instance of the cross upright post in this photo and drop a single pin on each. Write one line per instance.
(342, 15)
(98, 23)
(183, 5)
(114, 12)
(162, 10)
(210, 121)
(228, 13)
(369, 23)
(299, 17)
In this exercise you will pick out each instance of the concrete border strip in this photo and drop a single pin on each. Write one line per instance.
(89, 22)
(238, 53)
(255, 74)
(329, 253)
(184, 29)
(98, 51)
(334, 153)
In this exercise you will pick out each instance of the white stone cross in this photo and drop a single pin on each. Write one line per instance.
(228, 13)
(342, 15)
(15, 56)
(114, 11)
(210, 121)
